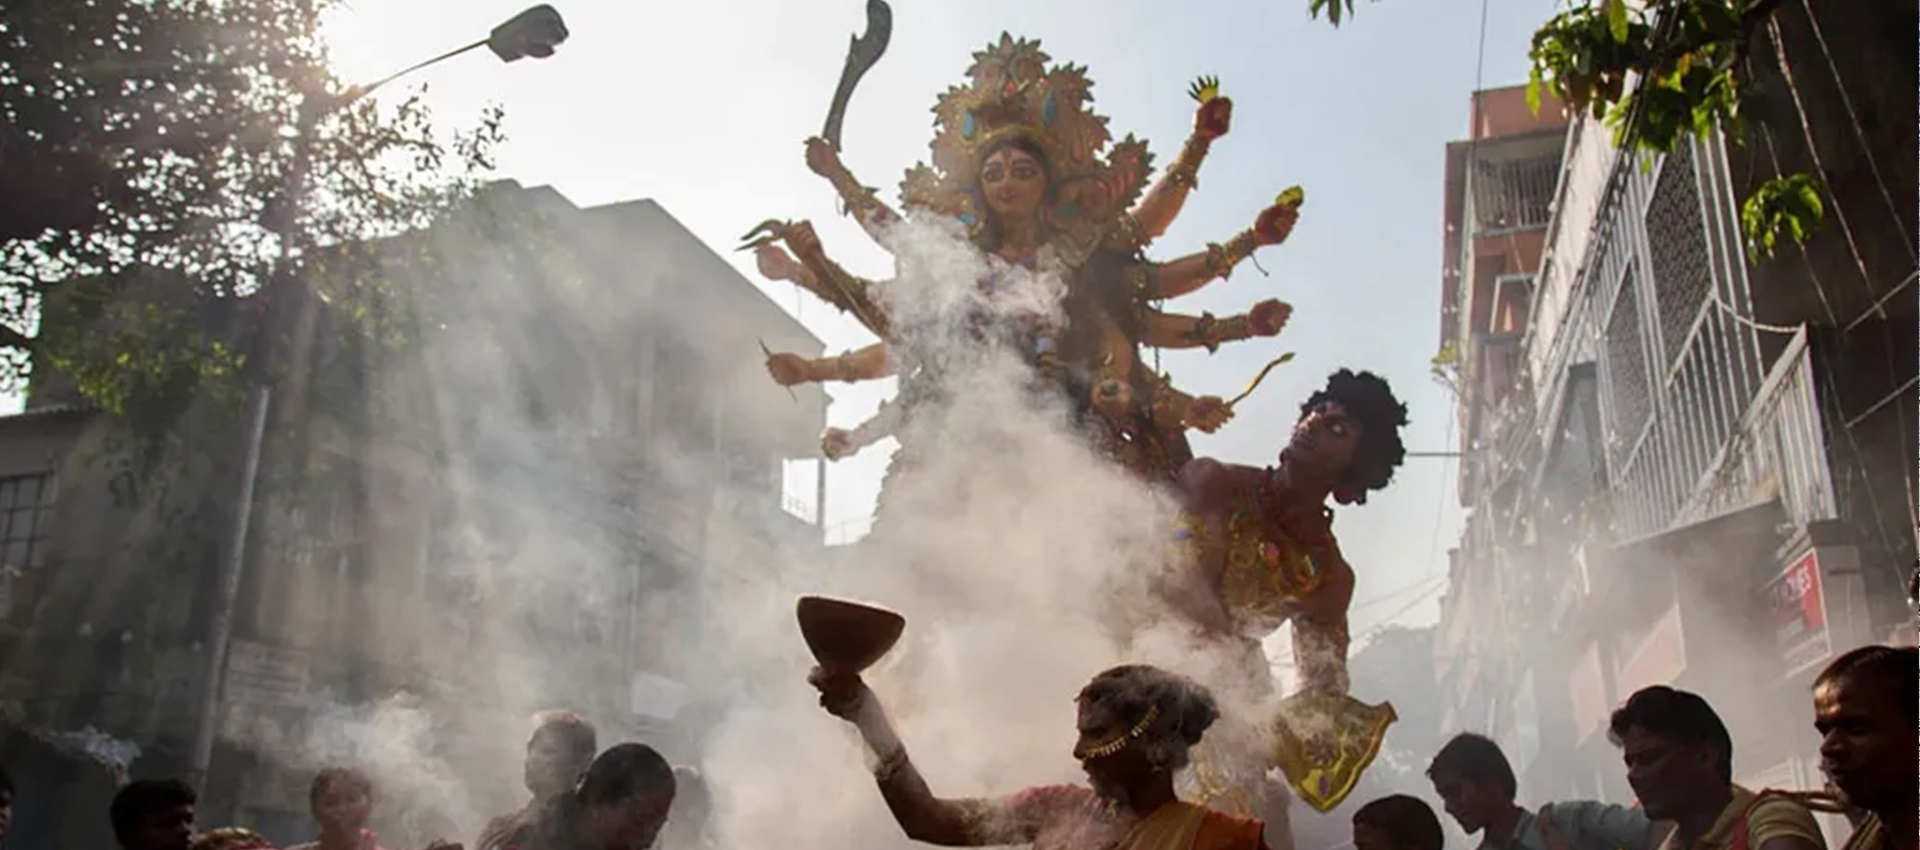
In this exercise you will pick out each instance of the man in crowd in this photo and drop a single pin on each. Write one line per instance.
(1476, 783)
(6, 803)
(558, 752)
(1679, 760)
(1397, 822)
(153, 814)
(692, 807)
(1866, 705)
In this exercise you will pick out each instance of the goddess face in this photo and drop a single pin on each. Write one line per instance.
(1013, 182)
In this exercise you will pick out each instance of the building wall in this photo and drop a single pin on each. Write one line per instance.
(1681, 448)
(511, 512)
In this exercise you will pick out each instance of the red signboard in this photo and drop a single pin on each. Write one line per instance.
(1799, 614)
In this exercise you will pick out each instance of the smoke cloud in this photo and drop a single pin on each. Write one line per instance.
(1018, 557)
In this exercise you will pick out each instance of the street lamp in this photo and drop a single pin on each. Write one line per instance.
(535, 33)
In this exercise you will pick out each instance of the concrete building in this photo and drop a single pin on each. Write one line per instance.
(1704, 475)
(1499, 194)
(533, 485)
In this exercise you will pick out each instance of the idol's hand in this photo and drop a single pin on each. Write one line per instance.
(822, 159)
(806, 244)
(1268, 317)
(1207, 413)
(1273, 226)
(777, 264)
(789, 369)
(1213, 119)
(1215, 115)
(843, 695)
(836, 443)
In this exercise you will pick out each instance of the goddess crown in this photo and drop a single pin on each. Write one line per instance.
(1013, 93)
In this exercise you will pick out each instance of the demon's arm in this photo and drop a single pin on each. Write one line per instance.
(1178, 330)
(873, 214)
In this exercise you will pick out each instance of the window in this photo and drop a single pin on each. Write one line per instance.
(26, 519)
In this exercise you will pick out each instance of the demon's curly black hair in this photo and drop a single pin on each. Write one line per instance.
(1187, 708)
(1370, 401)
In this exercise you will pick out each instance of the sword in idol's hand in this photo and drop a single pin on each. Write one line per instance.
(862, 53)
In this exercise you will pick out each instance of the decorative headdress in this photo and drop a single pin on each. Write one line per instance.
(1014, 94)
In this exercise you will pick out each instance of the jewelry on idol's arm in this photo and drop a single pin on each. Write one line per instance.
(838, 368)
(1222, 258)
(1184, 172)
(1210, 332)
(1169, 406)
(1131, 233)
(855, 293)
(859, 200)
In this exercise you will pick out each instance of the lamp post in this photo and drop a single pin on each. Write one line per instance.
(532, 33)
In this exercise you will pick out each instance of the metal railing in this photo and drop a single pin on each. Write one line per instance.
(1777, 450)
(1679, 360)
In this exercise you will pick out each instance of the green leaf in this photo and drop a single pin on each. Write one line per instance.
(1533, 90)
(1617, 20)
(1789, 205)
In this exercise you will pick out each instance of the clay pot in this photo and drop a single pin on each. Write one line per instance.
(847, 637)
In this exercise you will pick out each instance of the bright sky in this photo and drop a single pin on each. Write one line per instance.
(703, 107)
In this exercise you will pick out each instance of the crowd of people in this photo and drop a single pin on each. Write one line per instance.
(1138, 724)
(627, 797)
(1136, 727)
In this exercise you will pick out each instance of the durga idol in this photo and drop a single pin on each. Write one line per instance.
(1027, 169)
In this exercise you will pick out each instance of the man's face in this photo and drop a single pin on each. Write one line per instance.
(1867, 742)
(552, 767)
(343, 808)
(1371, 838)
(1667, 775)
(630, 824)
(1113, 773)
(166, 829)
(1472, 804)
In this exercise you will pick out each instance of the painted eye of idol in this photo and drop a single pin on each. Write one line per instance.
(1009, 163)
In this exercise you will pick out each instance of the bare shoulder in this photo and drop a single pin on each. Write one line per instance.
(1210, 484)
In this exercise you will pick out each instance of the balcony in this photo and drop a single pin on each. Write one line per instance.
(1777, 452)
(1513, 190)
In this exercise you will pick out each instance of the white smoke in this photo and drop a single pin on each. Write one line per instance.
(1017, 555)
(1011, 549)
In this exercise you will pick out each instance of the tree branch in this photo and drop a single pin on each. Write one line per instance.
(10, 338)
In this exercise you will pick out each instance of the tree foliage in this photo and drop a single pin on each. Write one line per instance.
(145, 154)
(1659, 73)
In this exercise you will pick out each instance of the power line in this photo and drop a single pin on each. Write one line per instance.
(1393, 594)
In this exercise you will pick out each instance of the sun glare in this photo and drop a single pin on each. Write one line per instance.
(361, 41)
